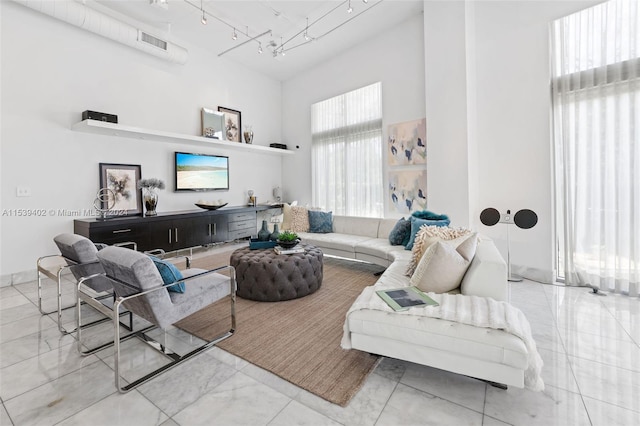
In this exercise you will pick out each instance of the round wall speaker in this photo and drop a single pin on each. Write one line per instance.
(525, 219)
(490, 216)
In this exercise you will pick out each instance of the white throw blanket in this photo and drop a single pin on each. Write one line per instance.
(471, 310)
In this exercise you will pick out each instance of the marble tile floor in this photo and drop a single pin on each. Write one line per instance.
(590, 345)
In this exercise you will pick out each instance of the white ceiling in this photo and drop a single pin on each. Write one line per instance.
(335, 29)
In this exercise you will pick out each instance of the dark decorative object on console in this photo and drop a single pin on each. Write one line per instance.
(150, 194)
(263, 234)
(275, 234)
(211, 206)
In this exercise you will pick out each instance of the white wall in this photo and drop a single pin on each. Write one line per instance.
(52, 71)
(446, 107)
(506, 55)
(395, 57)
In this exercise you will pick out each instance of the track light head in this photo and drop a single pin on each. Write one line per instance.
(204, 18)
(350, 9)
(235, 35)
(260, 48)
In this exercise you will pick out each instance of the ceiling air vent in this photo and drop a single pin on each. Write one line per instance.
(153, 41)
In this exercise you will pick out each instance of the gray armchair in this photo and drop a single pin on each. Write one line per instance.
(140, 289)
(79, 254)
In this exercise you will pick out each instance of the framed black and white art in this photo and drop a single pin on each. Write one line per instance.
(122, 179)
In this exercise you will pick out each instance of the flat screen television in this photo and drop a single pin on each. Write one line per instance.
(201, 172)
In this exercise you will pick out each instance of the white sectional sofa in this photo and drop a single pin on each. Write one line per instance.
(484, 353)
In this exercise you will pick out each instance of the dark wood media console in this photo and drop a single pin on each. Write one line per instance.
(174, 230)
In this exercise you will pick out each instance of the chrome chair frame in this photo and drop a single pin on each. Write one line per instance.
(107, 311)
(175, 358)
(57, 276)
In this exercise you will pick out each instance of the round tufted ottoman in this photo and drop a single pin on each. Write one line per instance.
(265, 276)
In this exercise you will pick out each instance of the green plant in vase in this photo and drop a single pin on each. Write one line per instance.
(288, 239)
(150, 194)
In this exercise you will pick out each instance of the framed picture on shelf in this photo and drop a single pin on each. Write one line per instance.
(122, 179)
(213, 124)
(232, 124)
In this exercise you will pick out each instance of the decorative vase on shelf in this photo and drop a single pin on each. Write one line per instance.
(248, 134)
(275, 234)
(150, 202)
(263, 234)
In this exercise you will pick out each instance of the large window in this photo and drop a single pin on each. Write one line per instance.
(347, 153)
(596, 114)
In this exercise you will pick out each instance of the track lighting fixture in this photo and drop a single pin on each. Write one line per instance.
(204, 18)
(306, 31)
(290, 42)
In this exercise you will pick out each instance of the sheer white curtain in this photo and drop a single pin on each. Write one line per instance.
(596, 119)
(347, 153)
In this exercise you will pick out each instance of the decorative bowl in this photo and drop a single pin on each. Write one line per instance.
(211, 206)
(288, 244)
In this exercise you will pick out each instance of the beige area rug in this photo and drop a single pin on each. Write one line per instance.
(298, 340)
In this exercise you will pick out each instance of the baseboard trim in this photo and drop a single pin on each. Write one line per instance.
(534, 274)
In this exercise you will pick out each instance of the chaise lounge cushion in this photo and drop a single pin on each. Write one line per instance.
(447, 337)
(334, 241)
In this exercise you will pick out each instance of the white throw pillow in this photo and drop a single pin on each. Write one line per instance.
(286, 217)
(442, 267)
(427, 235)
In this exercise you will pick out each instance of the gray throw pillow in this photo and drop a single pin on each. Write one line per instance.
(399, 235)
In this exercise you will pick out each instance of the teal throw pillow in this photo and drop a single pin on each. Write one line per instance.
(400, 233)
(170, 274)
(426, 214)
(417, 223)
(320, 222)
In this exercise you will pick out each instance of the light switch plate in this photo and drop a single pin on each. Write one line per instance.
(23, 191)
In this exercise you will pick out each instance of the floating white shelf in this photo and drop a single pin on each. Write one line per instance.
(111, 129)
